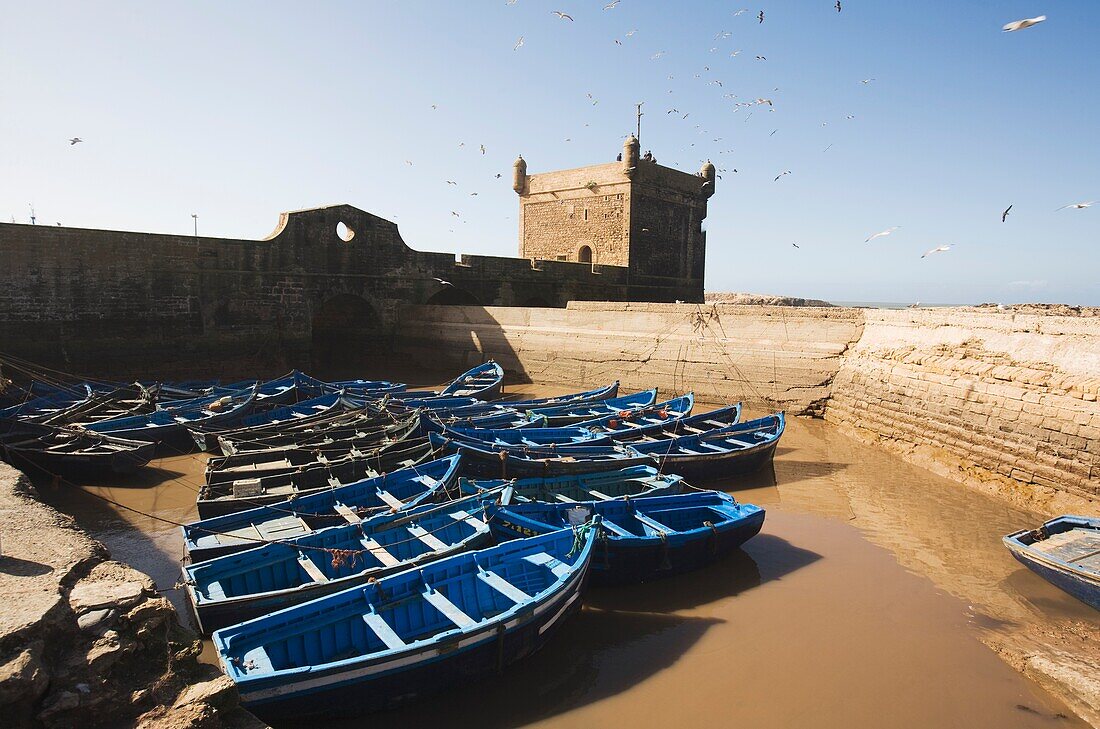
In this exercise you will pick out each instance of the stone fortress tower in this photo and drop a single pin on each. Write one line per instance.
(633, 213)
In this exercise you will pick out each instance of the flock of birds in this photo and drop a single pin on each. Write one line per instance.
(561, 15)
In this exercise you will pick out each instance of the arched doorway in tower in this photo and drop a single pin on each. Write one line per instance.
(347, 333)
(584, 255)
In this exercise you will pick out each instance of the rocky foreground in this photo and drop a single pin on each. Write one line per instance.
(87, 641)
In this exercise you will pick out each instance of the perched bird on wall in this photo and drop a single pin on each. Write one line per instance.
(781, 174)
(75, 140)
(882, 234)
(1004, 215)
(561, 15)
(1078, 206)
(1021, 24)
(937, 249)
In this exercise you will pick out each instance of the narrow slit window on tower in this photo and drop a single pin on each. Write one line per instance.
(586, 213)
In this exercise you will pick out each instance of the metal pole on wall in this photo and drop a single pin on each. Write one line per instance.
(638, 134)
(195, 217)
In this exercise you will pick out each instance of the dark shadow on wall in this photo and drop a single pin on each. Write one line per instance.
(347, 337)
(460, 336)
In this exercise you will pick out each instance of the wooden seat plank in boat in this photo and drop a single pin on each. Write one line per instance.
(452, 612)
(380, 552)
(383, 630)
(347, 512)
(427, 537)
(598, 495)
(615, 528)
(312, 569)
(503, 586)
(653, 524)
(466, 517)
(542, 559)
(391, 500)
(1074, 546)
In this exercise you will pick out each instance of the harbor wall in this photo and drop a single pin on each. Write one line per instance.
(782, 357)
(1002, 400)
(87, 641)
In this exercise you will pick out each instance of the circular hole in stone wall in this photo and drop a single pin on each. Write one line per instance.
(345, 233)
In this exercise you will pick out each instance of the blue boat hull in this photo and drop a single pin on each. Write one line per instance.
(456, 664)
(1085, 591)
(618, 563)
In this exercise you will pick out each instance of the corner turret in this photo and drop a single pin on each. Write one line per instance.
(708, 174)
(519, 175)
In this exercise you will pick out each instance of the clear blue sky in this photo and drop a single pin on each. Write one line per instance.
(239, 110)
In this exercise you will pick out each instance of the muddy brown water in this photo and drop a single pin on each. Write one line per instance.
(861, 604)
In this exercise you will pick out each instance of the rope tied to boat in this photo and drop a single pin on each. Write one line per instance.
(580, 535)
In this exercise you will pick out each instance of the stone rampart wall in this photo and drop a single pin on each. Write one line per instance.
(1002, 400)
(1007, 401)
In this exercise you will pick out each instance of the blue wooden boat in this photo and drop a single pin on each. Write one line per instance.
(248, 584)
(633, 481)
(47, 404)
(718, 454)
(72, 452)
(576, 398)
(435, 421)
(168, 428)
(659, 421)
(403, 489)
(273, 421)
(483, 382)
(292, 457)
(410, 634)
(236, 490)
(367, 425)
(1065, 552)
(571, 414)
(506, 462)
(365, 388)
(663, 420)
(642, 538)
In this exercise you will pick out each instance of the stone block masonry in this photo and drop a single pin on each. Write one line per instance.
(119, 304)
(776, 356)
(1004, 401)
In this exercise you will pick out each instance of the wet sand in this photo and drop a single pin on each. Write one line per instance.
(863, 603)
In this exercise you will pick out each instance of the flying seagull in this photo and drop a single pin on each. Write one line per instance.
(483, 149)
(780, 175)
(1004, 215)
(451, 182)
(1079, 206)
(937, 249)
(882, 233)
(631, 32)
(838, 6)
(761, 16)
(1021, 24)
(704, 185)
(795, 245)
(75, 140)
(739, 12)
(442, 282)
(611, 5)
(518, 44)
(866, 81)
(561, 15)
(618, 42)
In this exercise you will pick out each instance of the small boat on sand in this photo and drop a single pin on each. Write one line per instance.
(1065, 552)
